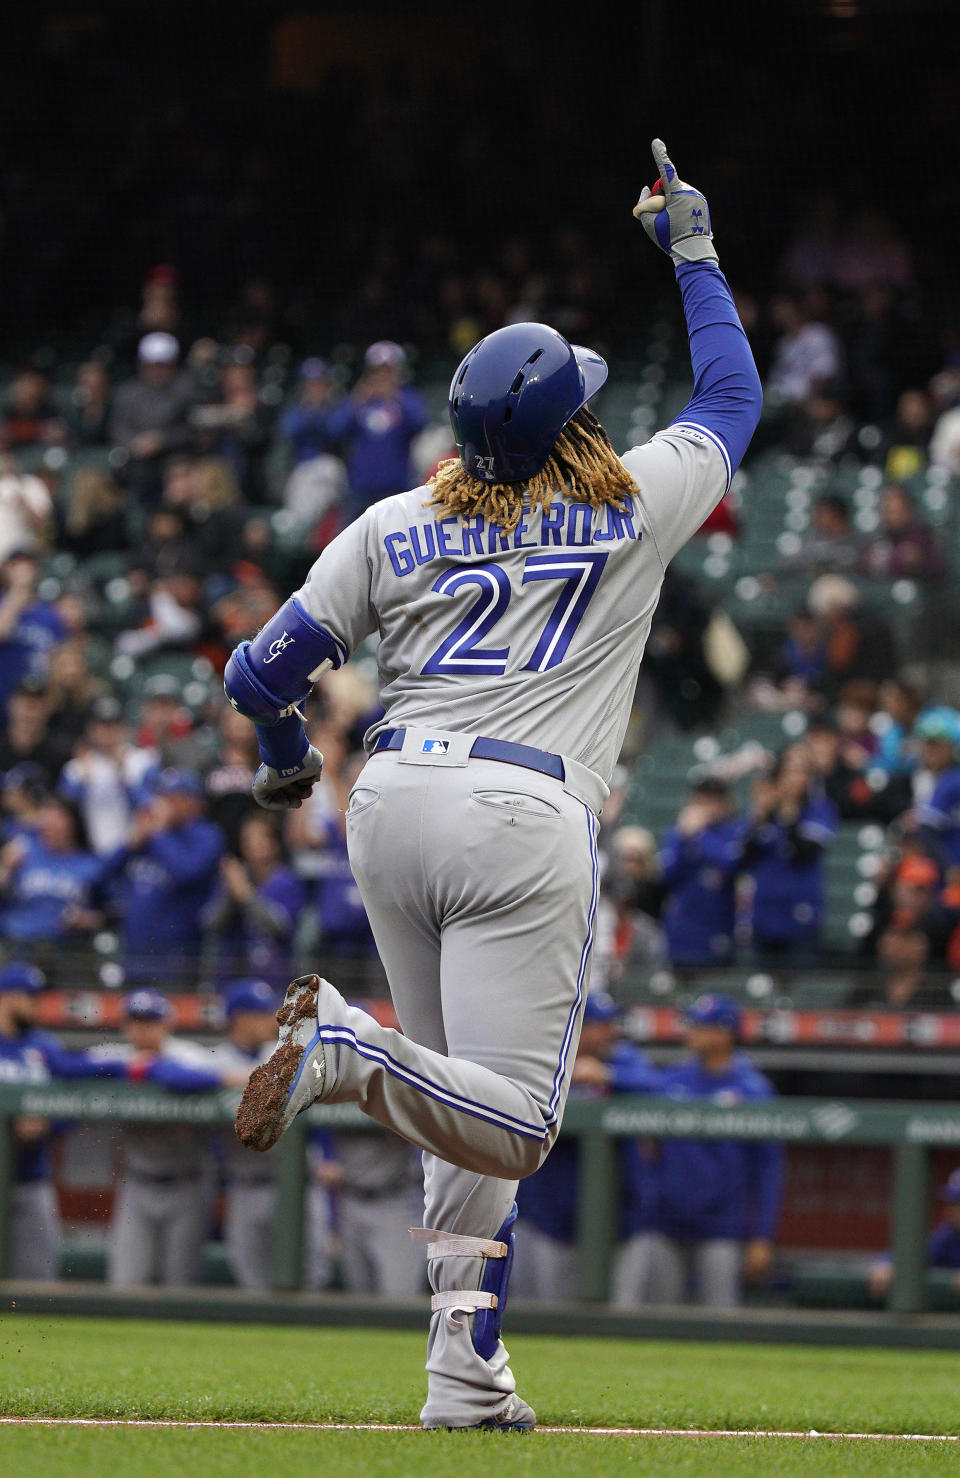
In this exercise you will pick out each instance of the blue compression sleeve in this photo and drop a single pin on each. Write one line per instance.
(727, 395)
(282, 746)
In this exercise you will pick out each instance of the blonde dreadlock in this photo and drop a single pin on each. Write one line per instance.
(582, 464)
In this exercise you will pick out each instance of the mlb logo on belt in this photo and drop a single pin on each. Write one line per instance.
(435, 746)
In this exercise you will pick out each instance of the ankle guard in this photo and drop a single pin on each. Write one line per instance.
(489, 1301)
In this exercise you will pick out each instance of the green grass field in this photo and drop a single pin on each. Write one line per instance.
(207, 1372)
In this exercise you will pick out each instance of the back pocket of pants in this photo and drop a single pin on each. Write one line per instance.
(516, 802)
(361, 798)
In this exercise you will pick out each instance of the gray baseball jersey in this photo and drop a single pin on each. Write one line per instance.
(480, 879)
(535, 636)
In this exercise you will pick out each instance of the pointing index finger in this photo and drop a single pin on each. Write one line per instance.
(668, 175)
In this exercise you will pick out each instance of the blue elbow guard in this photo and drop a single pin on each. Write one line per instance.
(488, 1323)
(267, 678)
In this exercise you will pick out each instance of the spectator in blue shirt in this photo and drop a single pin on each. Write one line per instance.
(938, 817)
(703, 1212)
(256, 906)
(699, 860)
(165, 873)
(547, 1200)
(30, 628)
(375, 426)
(49, 883)
(304, 425)
(791, 826)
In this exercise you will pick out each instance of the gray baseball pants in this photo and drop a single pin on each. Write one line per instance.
(653, 1269)
(159, 1231)
(34, 1236)
(377, 1254)
(249, 1220)
(480, 881)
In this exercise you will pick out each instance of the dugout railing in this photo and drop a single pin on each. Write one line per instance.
(910, 1130)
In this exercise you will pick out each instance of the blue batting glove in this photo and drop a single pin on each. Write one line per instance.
(674, 215)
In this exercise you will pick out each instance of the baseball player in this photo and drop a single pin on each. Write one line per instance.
(249, 1007)
(164, 1198)
(28, 1055)
(377, 1181)
(513, 597)
(547, 1201)
(701, 1211)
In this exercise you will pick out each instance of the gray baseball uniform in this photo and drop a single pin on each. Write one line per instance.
(653, 1269)
(480, 877)
(378, 1198)
(249, 1203)
(250, 1189)
(164, 1199)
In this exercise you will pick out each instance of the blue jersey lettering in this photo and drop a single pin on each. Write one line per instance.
(444, 547)
(551, 525)
(581, 515)
(429, 544)
(400, 558)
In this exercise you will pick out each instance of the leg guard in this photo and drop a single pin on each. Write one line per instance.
(489, 1301)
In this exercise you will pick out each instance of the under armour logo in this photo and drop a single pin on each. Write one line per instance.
(278, 646)
(697, 217)
(318, 1069)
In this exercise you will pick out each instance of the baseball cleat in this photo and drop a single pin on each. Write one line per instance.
(292, 1079)
(516, 1416)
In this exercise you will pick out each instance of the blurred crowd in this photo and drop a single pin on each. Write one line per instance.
(160, 496)
(744, 882)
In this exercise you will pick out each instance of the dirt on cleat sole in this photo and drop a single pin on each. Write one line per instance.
(260, 1118)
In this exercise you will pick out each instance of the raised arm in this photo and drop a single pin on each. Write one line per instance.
(681, 483)
(727, 396)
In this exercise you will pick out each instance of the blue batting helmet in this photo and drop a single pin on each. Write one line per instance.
(512, 396)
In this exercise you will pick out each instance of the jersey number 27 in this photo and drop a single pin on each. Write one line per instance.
(460, 653)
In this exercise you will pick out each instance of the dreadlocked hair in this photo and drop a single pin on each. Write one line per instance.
(582, 464)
